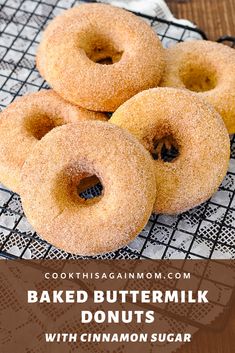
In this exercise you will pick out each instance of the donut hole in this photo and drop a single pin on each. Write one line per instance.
(76, 187)
(165, 149)
(103, 51)
(90, 188)
(105, 55)
(39, 126)
(198, 78)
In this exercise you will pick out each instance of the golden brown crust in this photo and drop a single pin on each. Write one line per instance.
(74, 42)
(199, 133)
(25, 121)
(202, 65)
(61, 159)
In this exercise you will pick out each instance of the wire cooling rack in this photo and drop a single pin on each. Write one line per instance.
(207, 231)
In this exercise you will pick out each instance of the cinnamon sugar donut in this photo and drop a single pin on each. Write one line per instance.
(25, 121)
(97, 56)
(163, 116)
(207, 68)
(61, 159)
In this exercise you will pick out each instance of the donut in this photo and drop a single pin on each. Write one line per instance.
(61, 159)
(198, 139)
(207, 68)
(25, 121)
(101, 55)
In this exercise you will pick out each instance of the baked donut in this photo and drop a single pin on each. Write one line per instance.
(198, 138)
(207, 68)
(97, 56)
(25, 121)
(98, 225)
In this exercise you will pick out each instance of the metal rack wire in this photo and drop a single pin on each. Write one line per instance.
(207, 231)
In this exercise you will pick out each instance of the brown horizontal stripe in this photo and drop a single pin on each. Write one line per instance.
(215, 17)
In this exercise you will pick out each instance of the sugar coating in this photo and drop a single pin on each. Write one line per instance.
(199, 132)
(72, 39)
(24, 121)
(219, 59)
(61, 160)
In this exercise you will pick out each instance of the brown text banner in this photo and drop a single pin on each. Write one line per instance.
(112, 306)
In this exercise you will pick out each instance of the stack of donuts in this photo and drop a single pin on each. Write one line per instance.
(165, 148)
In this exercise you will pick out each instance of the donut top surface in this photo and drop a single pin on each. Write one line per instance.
(207, 68)
(26, 121)
(101, 56)
(194, 128)
(62, 158)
